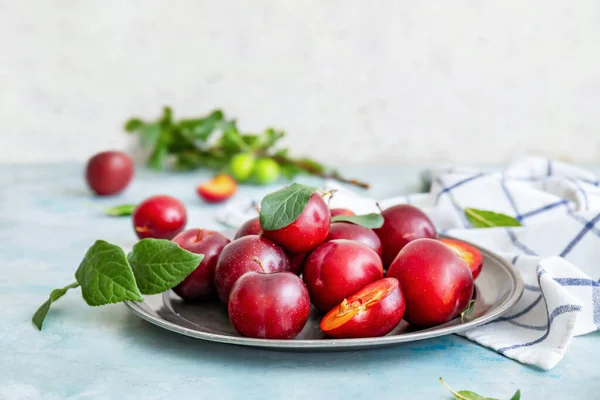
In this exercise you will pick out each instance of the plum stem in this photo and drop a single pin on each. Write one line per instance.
(378, 206)
(199, 235)
(260, 264)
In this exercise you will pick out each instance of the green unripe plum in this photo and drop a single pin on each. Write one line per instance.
(241, 166)
(266, 171)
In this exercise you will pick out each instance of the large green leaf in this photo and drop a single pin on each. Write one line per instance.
(159, 265)
(105, 276)
(281, 208)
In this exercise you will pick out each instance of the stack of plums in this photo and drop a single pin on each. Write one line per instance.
(269, 278)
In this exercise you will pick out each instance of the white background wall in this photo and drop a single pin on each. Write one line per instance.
(350, 80)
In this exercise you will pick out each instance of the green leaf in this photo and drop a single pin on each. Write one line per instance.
(232, 142)
(289, 170)
(159, 264)
(468, 395)
(311, 166)
(268, 139)
(133, 124)
(40, 314)
(282, 153)
(149, 135)
(281, 208)
(488, 219)
(167, 117)
(159, 155)
(105, 276)
(372, 221)
(464, 313)
(121, 210)
(201, 128)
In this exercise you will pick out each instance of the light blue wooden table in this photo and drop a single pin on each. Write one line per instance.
(48, 219)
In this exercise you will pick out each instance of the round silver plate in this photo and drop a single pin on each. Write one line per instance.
(498, 288)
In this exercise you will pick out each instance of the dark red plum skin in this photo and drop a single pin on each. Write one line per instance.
(402, 224)
(200, 284)
(377, 320)
(297, 262)
(269, 306)
(347, 230)
(436, 282)
(109, 172)
(337, 269)
(250, 227)
(241, 255)
(159, 217)
(308, 231)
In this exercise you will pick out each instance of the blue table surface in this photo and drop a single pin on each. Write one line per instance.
(48, 219)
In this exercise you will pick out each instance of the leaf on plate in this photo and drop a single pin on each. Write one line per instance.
(40, 314)
(489, 219)
(159, 265)
(372, 221)
(281, 208)
(469, 306)
(105, 276)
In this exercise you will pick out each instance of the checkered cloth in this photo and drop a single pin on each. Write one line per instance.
(555, 250)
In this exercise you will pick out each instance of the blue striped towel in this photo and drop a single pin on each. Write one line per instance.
(556, 248)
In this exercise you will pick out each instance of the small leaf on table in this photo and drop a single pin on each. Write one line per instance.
(489, 219)
(281, 208)
(468, 395)
(121, 210)
(372, 221)
(105, 276)
(40, 314)
(159, 265)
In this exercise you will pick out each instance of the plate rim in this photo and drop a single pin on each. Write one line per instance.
(307, 344)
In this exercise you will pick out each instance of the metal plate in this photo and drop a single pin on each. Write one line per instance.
(498, 288)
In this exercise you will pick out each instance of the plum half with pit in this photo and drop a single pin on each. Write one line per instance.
(200, 284)
(347, 230)
(436, 282)
(269, 306)
(373, 311)
(402, 224)
(159, 217)
(308, 231)
(248, 253)
(337, 269)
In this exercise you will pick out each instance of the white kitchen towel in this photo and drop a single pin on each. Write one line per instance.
(556, 249)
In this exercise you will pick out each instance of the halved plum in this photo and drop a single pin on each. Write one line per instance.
(375, 310)
(218, 189)
(469, 253)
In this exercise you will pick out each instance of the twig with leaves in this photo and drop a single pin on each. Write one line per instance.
(213, 140)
